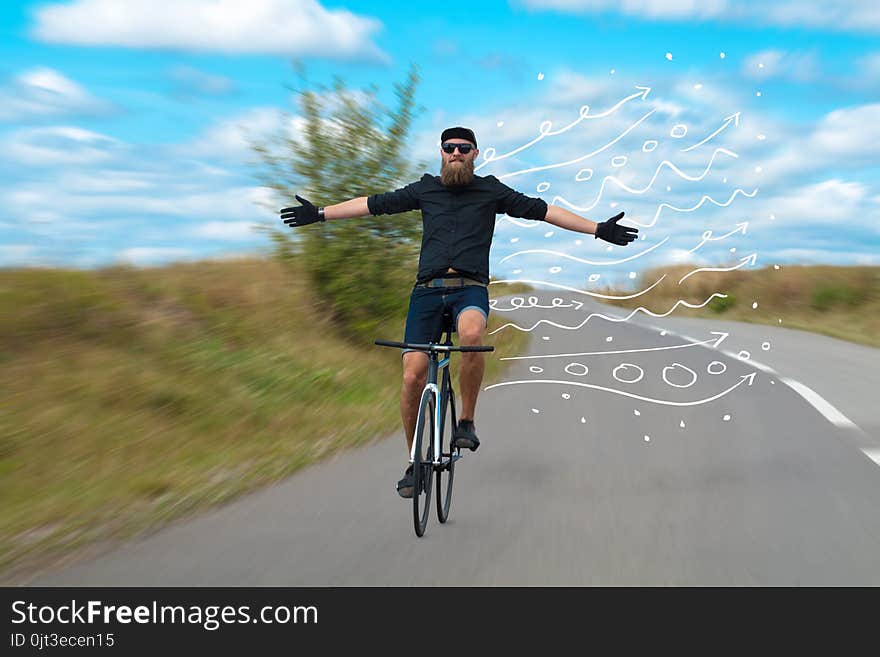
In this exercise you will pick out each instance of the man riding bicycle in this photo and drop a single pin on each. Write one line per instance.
(458, 223)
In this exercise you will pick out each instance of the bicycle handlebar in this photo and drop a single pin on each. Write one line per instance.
(431, 347)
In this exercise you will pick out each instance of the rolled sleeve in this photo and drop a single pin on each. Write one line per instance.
(515, 204)
(400, 200)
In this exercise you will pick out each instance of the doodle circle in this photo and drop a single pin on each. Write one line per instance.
(679, 385)
(765, 346)
(716, 362)
(584, 111)
(534, 369)
(543, 187)
(649, 145)
(678, 131)
(744, 355)
(489, 155)
(565, 395)
(570, 365)
(583, 175)
(556, 302)
(545, 127)
(618, 161)
(594, 277)
(625, 366)
(555, 270)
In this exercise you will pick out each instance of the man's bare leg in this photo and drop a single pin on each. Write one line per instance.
(471, 325)
(415, 374)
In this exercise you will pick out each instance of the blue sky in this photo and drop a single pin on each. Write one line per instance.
(123, 122)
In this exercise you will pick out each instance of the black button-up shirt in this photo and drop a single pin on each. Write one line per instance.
(458, 223)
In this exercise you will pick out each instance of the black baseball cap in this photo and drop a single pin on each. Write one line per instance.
(459, 133)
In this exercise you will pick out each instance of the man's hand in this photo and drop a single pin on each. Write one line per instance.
(301, 215)
(611, 232)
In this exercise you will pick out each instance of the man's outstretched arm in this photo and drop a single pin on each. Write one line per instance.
(609, 230)
(356, 207)
(309, 213)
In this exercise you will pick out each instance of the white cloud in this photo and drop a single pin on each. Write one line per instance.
(59, 145)
(223, 230)
(16, 255)
(146, 255)
(768, 64)
(844, 138)
(839, 15)
(44, 92)
(821, 204)
(190, 81)
(650, 8)
(229, 139)
(284, 27)
(869, 68)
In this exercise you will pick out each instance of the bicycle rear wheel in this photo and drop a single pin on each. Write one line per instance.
(423, 464)
(448, 456)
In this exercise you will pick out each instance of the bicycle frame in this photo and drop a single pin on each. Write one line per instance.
(435, 366)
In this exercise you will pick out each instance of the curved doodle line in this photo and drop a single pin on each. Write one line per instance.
(748, 260)
(586, 261)
(583, 157)
(641, 373)
(678, 385)
(610, 319)
(732, 117)
(707, 235)
(587, 292)
(746, 377)
(632, 190)
(702, 200)
(643, 93)
(715, 342)
(533, 303)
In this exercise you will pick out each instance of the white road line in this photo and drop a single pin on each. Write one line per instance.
(873, 454)
(750, 361)
(833, 415)
(818, 402)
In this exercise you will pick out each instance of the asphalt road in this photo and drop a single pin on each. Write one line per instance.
(662, 464)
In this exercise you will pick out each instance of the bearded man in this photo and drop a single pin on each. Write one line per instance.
(458, 222)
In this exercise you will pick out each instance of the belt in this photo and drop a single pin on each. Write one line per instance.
(450, 282)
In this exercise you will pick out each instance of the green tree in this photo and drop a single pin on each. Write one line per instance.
(350, 146)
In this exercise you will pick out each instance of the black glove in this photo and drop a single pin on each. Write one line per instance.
(611, 232)
(301, 215)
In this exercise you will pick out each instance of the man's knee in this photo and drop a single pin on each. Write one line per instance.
(471, 325)
(415, 369)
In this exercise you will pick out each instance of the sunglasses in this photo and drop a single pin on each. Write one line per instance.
(464, 149)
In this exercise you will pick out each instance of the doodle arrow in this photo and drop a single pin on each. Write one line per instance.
(743, 379)
(714, 342)
(748, 260)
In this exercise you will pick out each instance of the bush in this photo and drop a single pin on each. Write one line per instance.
(827, 295)
(719, 304)
(359, 269)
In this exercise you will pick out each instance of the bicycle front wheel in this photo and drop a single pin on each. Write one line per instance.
(448, 456)
(423, 467)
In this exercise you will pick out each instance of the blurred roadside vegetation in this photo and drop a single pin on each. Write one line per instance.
(349, 146)
(136, 396)
(841, 302)
(140, 395)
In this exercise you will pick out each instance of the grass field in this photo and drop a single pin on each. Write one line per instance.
(842, 302)
(138, 396)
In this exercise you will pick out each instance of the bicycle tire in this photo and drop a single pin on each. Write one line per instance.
(423, 464)
(448, 456)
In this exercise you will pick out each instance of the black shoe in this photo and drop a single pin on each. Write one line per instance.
(465, 436)
(405, 485)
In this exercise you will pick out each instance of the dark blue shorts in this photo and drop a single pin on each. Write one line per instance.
(427, 304)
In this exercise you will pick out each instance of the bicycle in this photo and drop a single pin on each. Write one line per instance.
(432, 450)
